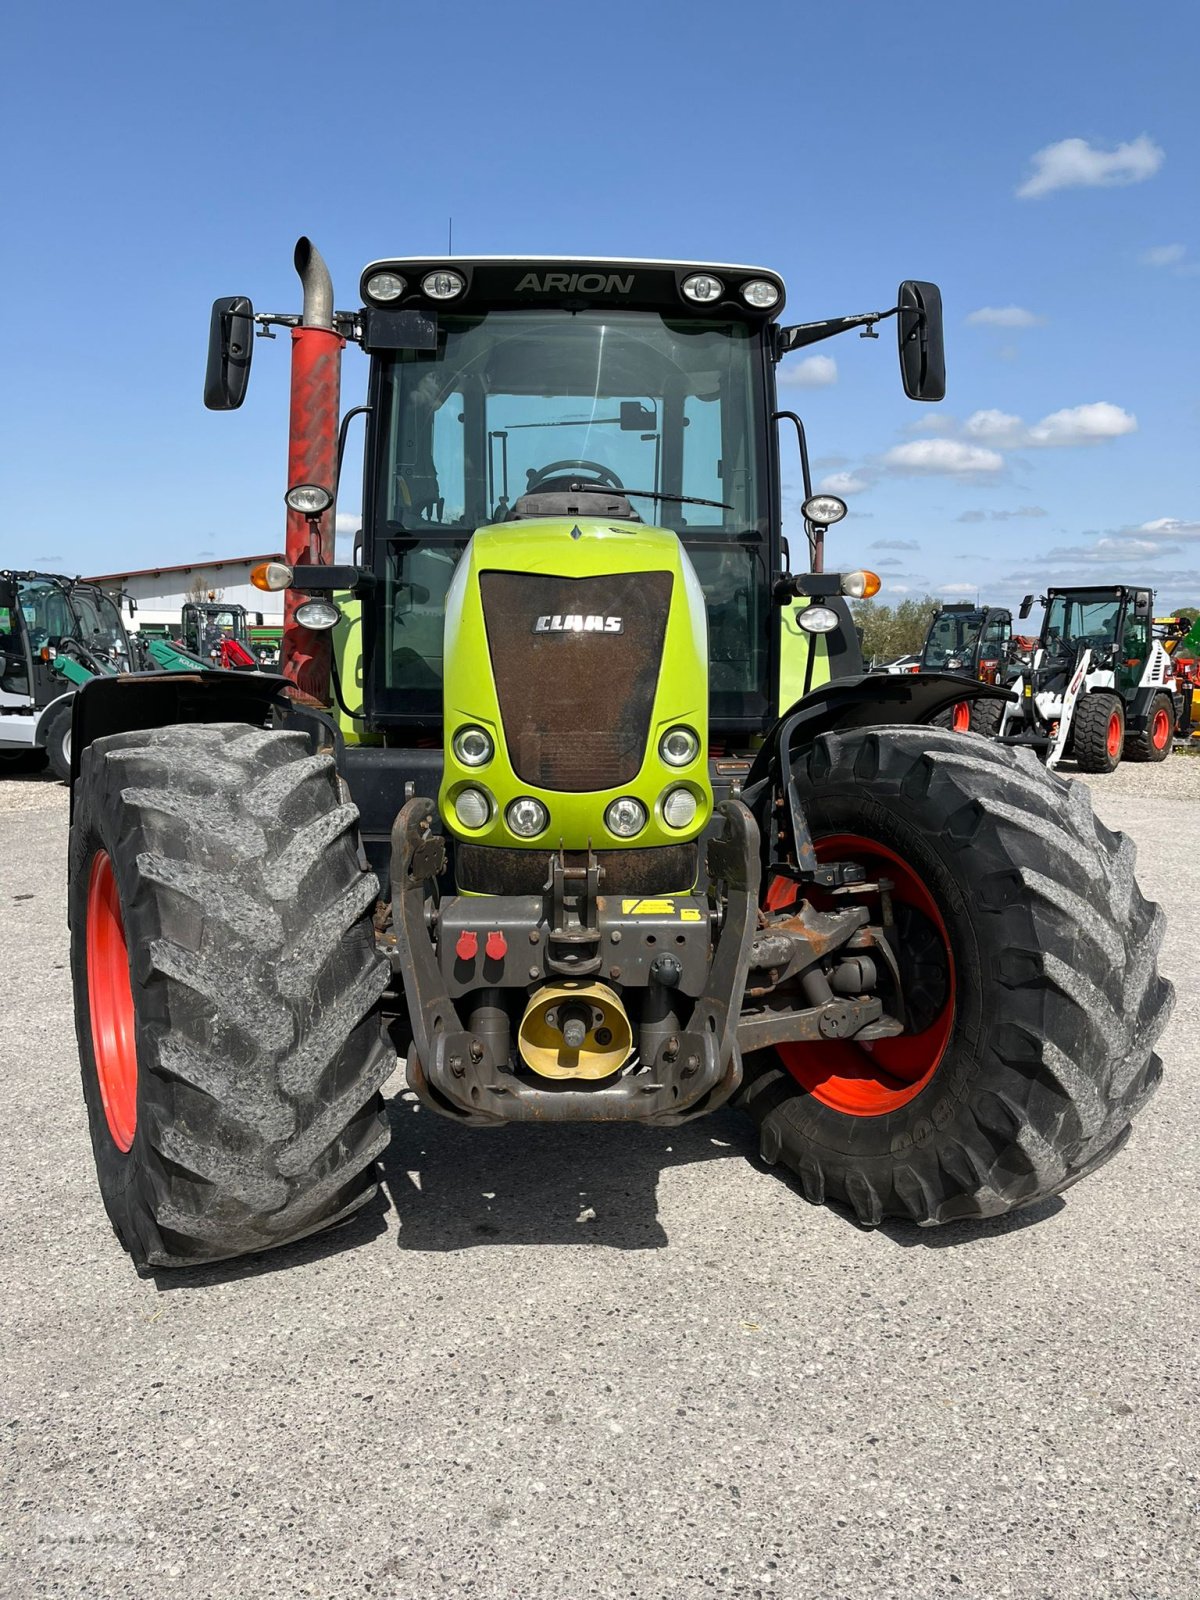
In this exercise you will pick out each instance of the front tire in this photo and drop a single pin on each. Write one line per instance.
(56, 741)
(226, 984)
(1035, 1042)
(1098, 732)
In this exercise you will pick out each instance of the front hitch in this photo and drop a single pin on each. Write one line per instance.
(455, 1071)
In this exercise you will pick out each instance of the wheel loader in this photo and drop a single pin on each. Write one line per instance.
(573, 796)
(1101, 687)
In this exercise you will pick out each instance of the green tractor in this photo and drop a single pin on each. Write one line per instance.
(575, 797)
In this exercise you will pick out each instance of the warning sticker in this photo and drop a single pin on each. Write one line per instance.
(648, 908)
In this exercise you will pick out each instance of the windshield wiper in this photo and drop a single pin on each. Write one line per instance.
(651, 494)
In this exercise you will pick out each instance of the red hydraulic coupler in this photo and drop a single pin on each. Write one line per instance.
(312, 458)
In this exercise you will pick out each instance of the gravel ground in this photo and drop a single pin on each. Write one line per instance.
(592, 1362)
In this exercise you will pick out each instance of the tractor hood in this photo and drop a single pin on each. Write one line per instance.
(576, 644)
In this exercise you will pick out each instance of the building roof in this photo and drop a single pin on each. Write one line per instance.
(188, 566)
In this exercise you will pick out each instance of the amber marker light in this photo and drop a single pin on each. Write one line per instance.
(861, 585)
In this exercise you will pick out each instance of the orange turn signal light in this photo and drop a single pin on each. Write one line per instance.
(271, 575)
(861, 585)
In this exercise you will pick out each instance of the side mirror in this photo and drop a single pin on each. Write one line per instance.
(230, 349)
(922, 346)
(636, 418)
(1026, 607)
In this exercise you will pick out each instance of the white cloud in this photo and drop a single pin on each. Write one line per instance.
(1163, 255)
(1001, 516)
(1076, 164)
(958, 588)
(1005, 317)
(895, 544)
(1090, 424)
(1086, 424)
(947, 457)
(844, 483)
(347, 522)
(998, 428)
(1172, 527)
(814, 372)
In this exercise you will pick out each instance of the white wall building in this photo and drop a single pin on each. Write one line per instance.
(160, 593)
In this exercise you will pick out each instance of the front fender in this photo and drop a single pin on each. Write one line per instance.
(868, 701)
(159, 699)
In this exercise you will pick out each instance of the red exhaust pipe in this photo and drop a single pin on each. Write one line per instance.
(312, 458)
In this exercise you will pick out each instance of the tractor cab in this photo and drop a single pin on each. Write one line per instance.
(971, 640)
(54, 630)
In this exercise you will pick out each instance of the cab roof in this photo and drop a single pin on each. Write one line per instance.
(575, 282)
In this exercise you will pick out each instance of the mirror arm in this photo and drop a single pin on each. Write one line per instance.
(804, 333)
(346, 323)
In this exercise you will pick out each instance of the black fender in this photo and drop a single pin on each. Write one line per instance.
(868, 701)
(136, 700)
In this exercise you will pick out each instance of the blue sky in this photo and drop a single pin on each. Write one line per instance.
(161, 155)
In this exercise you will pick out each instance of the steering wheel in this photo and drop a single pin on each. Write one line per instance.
(540, 475)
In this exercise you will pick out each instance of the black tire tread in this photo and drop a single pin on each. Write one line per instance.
(1138, 745)
(1089, 732)
(1070, 1061)
(256, 979)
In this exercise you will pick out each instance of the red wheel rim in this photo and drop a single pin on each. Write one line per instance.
(869, 1080)
(1160, 729)
(1114, 734)
(960, 719)
(110, 1003)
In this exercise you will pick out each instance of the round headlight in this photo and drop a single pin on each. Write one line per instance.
(760, 294)
(473, 747)
(385, 286)
(310, 499)
(818, 619)
(678, 747)
(472, 808)
(702, 287)
(443, 285)
(317, 614)
(625, 817)
(527, 817)
(823, 509)
(679, 808)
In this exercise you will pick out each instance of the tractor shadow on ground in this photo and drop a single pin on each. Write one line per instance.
(460, 1188)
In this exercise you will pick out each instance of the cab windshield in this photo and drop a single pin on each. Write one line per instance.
(99, 623)
(1082, 619)
(658, 417)
(951, 640)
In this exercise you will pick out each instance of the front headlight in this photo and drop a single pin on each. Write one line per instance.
(385, 286)
(679, 747)
(760, 294)
(679, 808)
(703, 288)
(527, 817)
(473, 747)
(317, 614)
(625, 817)
(310, 499)
(472, 808)
(443, 285)
(818, 619)
(824, 509)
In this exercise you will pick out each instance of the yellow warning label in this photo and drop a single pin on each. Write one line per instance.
(690, 914)
(648, 908)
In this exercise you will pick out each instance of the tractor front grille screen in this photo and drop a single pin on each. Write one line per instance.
(575, 663)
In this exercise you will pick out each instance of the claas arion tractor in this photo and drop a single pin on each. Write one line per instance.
(575, 797)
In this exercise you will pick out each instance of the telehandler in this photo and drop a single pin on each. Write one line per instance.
(600, 818)
(972, 640)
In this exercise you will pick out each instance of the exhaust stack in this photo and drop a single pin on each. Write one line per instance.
(312, 458)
